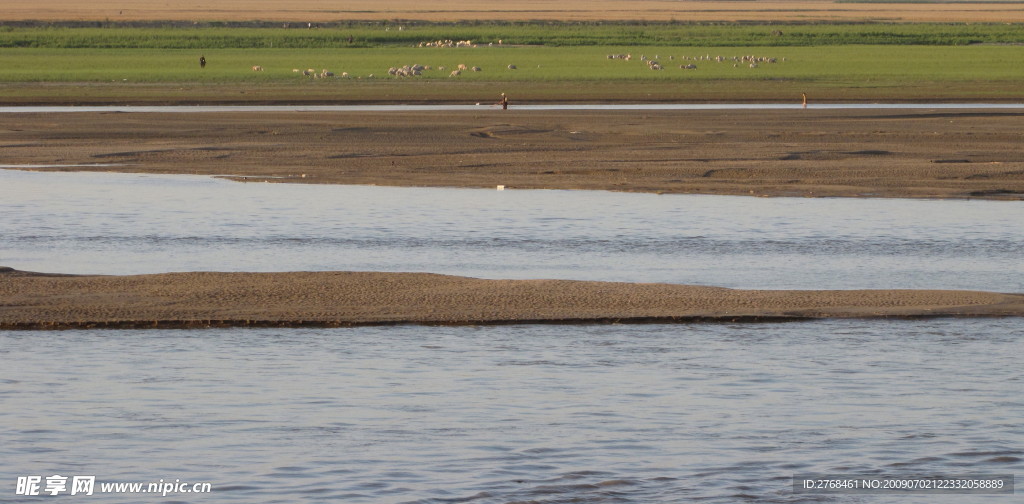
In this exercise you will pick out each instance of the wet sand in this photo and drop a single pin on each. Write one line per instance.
(186, 300)
(971, 153)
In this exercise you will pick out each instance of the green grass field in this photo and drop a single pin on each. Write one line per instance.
(102, 68)
(852, 64)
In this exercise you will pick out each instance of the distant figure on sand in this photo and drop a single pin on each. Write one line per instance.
(202, 62)
(504, 102)
(805, 99)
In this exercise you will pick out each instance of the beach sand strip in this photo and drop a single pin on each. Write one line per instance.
(296, 299)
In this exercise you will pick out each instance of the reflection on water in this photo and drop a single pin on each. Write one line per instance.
(122, 224)
(548, 414)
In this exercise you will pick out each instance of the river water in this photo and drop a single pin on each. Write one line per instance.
(546, 414)
(110, 223)
(650, 414)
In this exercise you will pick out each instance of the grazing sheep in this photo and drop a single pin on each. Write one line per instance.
(257, 68)
(455, 73)
(511, 67)
(476, 69)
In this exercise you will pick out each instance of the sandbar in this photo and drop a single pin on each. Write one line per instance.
(346, 299)
(882, 153)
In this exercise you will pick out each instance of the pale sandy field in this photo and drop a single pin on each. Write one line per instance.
(576, 10)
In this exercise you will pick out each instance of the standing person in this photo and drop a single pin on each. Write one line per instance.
(202, 62)
(504, 102)
(805, 99)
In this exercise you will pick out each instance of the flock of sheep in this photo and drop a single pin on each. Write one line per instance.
(313, 74)
(415, 70)
(750, 61)
(402, 71)
(450, 43)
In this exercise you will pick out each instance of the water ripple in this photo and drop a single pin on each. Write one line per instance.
(650, 414)
(110, 223)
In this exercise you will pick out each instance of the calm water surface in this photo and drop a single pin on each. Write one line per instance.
(112, 223)
(545, 414)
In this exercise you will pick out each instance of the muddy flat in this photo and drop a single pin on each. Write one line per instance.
(955, 153)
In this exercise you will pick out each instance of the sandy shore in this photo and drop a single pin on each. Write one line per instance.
(37, 301)
(874, 153)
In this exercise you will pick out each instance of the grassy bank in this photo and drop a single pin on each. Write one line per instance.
(837, 64)
(156, 65)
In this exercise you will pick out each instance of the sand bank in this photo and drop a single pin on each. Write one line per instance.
(963, 153)
(38, 301)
